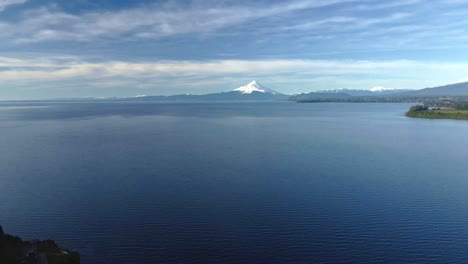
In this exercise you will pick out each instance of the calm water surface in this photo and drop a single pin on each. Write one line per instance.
(236, 182)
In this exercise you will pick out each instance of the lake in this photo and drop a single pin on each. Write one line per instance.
(271, 182)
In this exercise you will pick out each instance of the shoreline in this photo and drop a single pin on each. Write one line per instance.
(420, 111)
(14, 250)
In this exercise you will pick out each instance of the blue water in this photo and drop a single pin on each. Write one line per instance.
(236, 182)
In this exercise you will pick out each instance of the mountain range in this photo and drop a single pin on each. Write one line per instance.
(451, 90)
(252, 91)
(383, 95)
(376, 91)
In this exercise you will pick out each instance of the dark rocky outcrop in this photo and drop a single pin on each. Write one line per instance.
(13, 250)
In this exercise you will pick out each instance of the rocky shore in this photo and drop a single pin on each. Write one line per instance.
(14, 250)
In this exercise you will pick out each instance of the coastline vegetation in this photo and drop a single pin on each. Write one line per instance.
(422, 111)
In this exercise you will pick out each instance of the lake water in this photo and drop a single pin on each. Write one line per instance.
(236, 182)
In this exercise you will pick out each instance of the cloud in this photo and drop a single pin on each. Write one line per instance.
(346, 23)
(462, 80)
(362, 25)
(150, 21)
(108, 74)
(386, 5)
(4, 4)
(50, 69)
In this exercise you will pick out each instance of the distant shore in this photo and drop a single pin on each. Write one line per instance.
(420, 111)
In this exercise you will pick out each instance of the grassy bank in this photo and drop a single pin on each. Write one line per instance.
(423, 112)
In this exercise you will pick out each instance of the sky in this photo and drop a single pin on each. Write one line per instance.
(105, 48)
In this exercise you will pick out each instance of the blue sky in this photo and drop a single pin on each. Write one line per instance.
(92, 48)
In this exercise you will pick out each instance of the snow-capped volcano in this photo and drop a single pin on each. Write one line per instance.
(254, 86)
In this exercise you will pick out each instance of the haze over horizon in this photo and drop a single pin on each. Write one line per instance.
(53, 49)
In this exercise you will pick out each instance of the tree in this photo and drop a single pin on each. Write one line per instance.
(416, 108)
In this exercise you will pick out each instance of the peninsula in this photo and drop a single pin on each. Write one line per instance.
(421, 111)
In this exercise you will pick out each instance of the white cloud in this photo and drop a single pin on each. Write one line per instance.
(48, 69)
(462, 80)
(356, 26)
(151, 21)
(346, 22)
(386, 5)
(4, 4)
(223, 74)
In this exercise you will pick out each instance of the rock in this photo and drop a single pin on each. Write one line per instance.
(13, 250)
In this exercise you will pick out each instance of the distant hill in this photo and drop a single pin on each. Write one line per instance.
(321, 97)
(346, 95)
(458, 90)
(451, 90)
(224, 96)
(376, 91)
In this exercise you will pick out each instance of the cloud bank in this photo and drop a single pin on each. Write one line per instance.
(220, 75)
